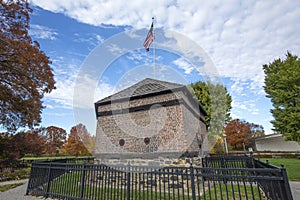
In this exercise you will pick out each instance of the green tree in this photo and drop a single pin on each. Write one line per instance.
(24, 69)
(282, 85)
(217, 103)
(256, 129)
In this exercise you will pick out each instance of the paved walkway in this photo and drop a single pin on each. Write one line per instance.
(295, 187)
(18, 193)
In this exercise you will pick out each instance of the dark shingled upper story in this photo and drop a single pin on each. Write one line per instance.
(145, 88)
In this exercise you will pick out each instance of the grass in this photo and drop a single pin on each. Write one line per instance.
(53, 157)
(234, 192)
(70, 184)
(4, 188)
(292, 166)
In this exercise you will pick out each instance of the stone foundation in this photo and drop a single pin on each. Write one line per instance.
(155, 162)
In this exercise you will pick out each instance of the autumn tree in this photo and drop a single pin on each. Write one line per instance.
(218, 147)
(75, 142)
(282, 85)
(238, 134)
(55, 138)
(85, 137)
(35, 143)
(217, 103)
(22, 143)
(4, 141)
(24, 69)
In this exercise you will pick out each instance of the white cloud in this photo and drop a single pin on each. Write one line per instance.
(115, 49)
(103, 90)
(99, 38)
(237, 87)
(77, 91)
(88, 91)
(238, 36)
(65, 75)
(42, 32)
(54, 114)
(248, 106)
(89, 39)
(183, 64)
(137, 57)
(63, 95)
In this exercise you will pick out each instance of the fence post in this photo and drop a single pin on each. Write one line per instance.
(223, 162)
(49, 180)
(30, 178)
(82, 180)
(128, 181)
(288, 192)
(192, 181)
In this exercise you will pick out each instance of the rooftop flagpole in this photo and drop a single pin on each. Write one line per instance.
(148, 41)
(154, 55)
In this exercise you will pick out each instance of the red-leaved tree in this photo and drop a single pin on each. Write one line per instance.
(238, 134)
(55, 139)
(75, 142)
(30, 142)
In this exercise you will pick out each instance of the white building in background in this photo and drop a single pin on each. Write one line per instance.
(276, 142)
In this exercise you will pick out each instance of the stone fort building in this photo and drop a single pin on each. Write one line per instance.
(151, 119)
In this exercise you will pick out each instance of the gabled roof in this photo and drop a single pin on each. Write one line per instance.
(269, 136)
(146, 87)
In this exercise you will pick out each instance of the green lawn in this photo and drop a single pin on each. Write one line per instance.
(292, 166)
(4, 188)
(53, 157)
(69, 184)
(233, 192)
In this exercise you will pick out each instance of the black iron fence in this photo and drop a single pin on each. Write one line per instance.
(272, 189)
(97, 181)
(228, 161)
(15, 169)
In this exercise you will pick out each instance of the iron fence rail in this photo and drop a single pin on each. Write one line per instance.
(98, 181)
(278, 190)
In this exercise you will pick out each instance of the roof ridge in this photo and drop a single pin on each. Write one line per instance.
(164, 81)
(143, 87)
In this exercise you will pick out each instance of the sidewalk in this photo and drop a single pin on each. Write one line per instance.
(295, 187)
(17, 193)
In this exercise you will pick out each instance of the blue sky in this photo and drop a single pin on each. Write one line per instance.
(234, 39)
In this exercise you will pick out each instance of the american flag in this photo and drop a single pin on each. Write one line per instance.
(149, 39)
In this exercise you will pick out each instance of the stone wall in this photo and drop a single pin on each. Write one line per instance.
(165, 125)
(134, 128)
(155, 162)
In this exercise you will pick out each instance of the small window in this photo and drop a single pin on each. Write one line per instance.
(147, 140)
(122, 142)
